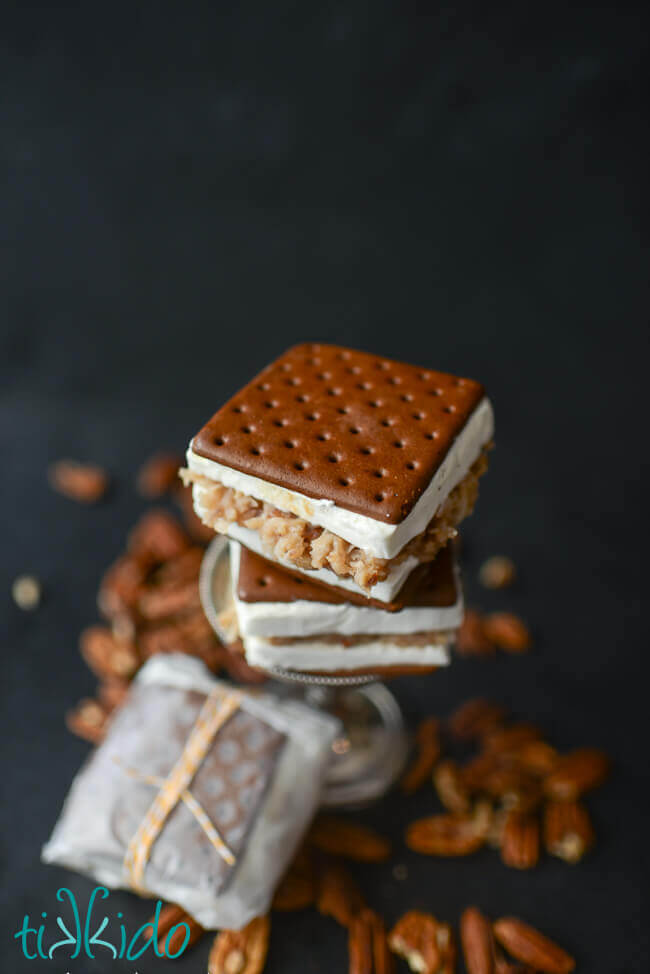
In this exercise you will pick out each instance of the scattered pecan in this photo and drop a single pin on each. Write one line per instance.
(575, 773)
(157, 537)
(426, 944)
(83, 482)
(507, 741)
(477, 941)
(168, 917)
(506, 631)
(338, 895)
(520, 841)
(163, 601)
(241, 951)
(427, 744)
(297, 888)
(234, 663)
(449, 785)
(173, 927)
(159, 474)
(450, 834)
(193, 523)
(531, 947)
(339, 837)
(475, 718)
(536, 757)
(497, 572)
(472, 639)
(367, 946)
(568, 832)
(121, 587)
(106, 655)
(112, 692)
(88, 720)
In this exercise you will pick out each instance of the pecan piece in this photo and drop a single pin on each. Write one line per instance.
(156, 538)
(576, 773)
(450, 834)
(568, 832)
(338, 895)
(475, 718)
(112, 692)
(477, 940)
(297, 888)
(520, 841)
(179, 928)
(159, 474)
(426, 944)
(506, 631)
(162, 601)
(120, 588)
(82, 482)
(349, 840)
(241, 951)
(507, 741)
(427, 743)
(472, 639)
(449, 785)
(531, 947)
(367, 946)
(168, 917)
(88, 720)
(106, 655)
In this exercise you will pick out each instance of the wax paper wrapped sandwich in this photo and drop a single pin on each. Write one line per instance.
(351, 472)
(199, 794)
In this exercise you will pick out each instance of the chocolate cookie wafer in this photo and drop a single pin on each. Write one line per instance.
(344, 465)
(285, 620)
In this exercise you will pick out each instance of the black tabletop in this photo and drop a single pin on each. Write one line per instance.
(188, 189)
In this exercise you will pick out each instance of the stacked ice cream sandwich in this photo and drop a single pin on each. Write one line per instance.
(341, 478)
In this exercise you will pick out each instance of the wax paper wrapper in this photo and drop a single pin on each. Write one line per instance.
(226, 838)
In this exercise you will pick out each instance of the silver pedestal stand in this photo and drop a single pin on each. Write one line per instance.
(371, 750)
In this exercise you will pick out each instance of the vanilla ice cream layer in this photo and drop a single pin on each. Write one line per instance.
(318, 656)
(306, 618)
(382, 591)
(380, 539)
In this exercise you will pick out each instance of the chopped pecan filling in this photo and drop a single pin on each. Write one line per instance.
(286, 537)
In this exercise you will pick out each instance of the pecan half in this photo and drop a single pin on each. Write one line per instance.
(449, 785)
(82, 482)
(338, 895)
(171, 943)
(426, 944)
(568, 832)
(367, 946)
(520, 841)
(507, 631)
(159, 474)
(112, 692)
(88, 720)
(575, 773)
(157, 537)
(472, 639)
(475, 718)
(450, 834)
(106, 655)
(427, 753)
(297, 888)
(241, 951)
(531, 947)
(477, 941)
(349, 840)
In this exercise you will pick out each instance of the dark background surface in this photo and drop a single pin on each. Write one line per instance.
(187, 189)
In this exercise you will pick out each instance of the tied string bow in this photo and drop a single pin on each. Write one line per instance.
(214, 713)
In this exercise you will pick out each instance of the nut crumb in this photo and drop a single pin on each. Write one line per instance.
(26, 592)
(499, 571)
